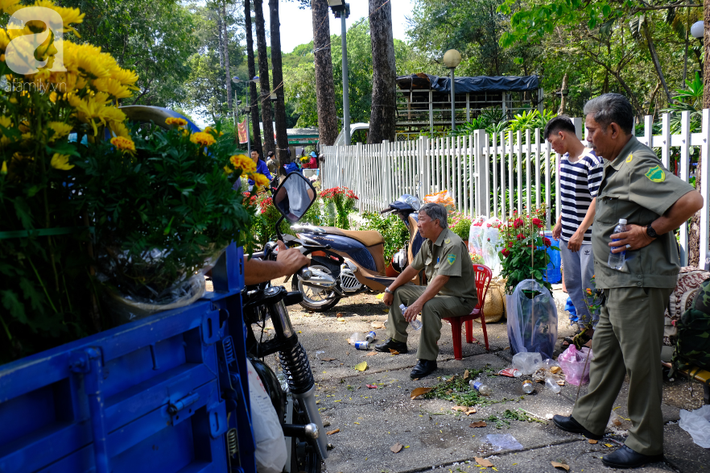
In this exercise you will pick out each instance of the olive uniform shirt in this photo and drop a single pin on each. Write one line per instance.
(637, 187)
(448, 256)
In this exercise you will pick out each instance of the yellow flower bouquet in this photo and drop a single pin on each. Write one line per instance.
(88, 200)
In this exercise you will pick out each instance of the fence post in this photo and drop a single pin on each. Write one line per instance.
(704, 188)
(519, 152)
(359, 167)
(386, 172)
(528, 172)
(684, 174)
(537, 168)
(422, 146)
(666, 140)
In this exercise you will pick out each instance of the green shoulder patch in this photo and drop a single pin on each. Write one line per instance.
(451, 258)
(656, 174)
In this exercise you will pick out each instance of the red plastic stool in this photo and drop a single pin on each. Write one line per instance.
(483, 279)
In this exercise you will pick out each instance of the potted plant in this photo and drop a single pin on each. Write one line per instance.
(81, 191)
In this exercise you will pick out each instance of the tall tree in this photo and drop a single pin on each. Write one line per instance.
(265, 86)
(325, 90)
(278, 79)
(254, 101)
(224, 50)
(383, 118)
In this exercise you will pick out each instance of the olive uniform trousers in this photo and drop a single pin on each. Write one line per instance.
(628, 340)
(432, 312)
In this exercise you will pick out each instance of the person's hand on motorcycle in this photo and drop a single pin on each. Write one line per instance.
(290, 260)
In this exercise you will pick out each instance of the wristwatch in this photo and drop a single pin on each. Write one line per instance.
(651, 232)
(387, 290)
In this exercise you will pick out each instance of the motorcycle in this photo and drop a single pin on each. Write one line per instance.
(355, 258)
(292, 391)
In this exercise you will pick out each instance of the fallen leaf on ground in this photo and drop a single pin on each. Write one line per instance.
(331, 432)
(483, 462)
(340, 319)
(592, 441)
(394, 352)
(561, 382)
(380, 296)
(555, 369)
(465, 409)
(466, 375)
(419, 391)
(361, 366)
(377, 325)
(327, 359)
(608, 445)
(372, 353)
(396, 448)
(480, 423)
(371, 386)
(560, 465)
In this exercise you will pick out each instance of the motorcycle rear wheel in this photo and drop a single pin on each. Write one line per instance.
(318, 300)
(304, 455)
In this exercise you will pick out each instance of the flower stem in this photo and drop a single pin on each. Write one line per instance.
(49, 299)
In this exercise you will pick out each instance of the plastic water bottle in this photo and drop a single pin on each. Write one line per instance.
(551, 384)
(370, 337)
(478, 385)
(616, 260)
(415, 324)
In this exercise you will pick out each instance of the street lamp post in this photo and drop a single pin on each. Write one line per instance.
(236, 79)
(452, 58)
(342, 10)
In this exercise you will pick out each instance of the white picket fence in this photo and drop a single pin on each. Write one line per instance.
(492, 176)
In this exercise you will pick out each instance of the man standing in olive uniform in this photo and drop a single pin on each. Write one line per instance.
(451, 289)
(635, 186)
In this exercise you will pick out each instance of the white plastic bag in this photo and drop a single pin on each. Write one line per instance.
(483, 240)
(269, 436)
(697, 424)
(532, 323)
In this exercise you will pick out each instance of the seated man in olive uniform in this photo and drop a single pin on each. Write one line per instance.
(451, 289)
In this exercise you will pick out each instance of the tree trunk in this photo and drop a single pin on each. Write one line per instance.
(225, 51)
(656, 63)
(278, 81)
(383, 117)
(325, 89)
(563, 95)
(253, 100)
(264, 96)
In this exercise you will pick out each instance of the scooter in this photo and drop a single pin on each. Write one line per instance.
(291, 392)
(355, 258)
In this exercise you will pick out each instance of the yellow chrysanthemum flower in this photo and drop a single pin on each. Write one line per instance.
(3, 170)
(125, 77)
(119, 129)
(202, 139)
(123, 144)
(175, 121)
(9, 6)
(259, 179)
(247, 165)
(212, 131)
(5, 122)
(61, 162)
(112, 87)
(69, 15)
(228, 170)
(60, 130)
(94, 107)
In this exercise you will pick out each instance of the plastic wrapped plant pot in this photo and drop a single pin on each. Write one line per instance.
(532, 319)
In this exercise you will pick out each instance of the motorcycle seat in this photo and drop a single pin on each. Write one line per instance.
(366, 237)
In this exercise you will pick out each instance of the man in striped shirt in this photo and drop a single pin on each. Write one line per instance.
(580, 174)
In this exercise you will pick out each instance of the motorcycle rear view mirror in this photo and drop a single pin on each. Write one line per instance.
(294, 197)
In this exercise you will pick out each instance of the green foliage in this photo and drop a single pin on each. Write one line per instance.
(338, 203)
(530, 120)
(460, 224)
(457, 390)
(160, 215)
(392, 229)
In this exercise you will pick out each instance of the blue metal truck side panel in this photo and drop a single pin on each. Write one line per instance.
(142, 397)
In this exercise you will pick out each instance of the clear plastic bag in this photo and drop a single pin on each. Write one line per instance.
(532, 319)
(484, 241)
(270, 452)
(573, 363)
(697, 424)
